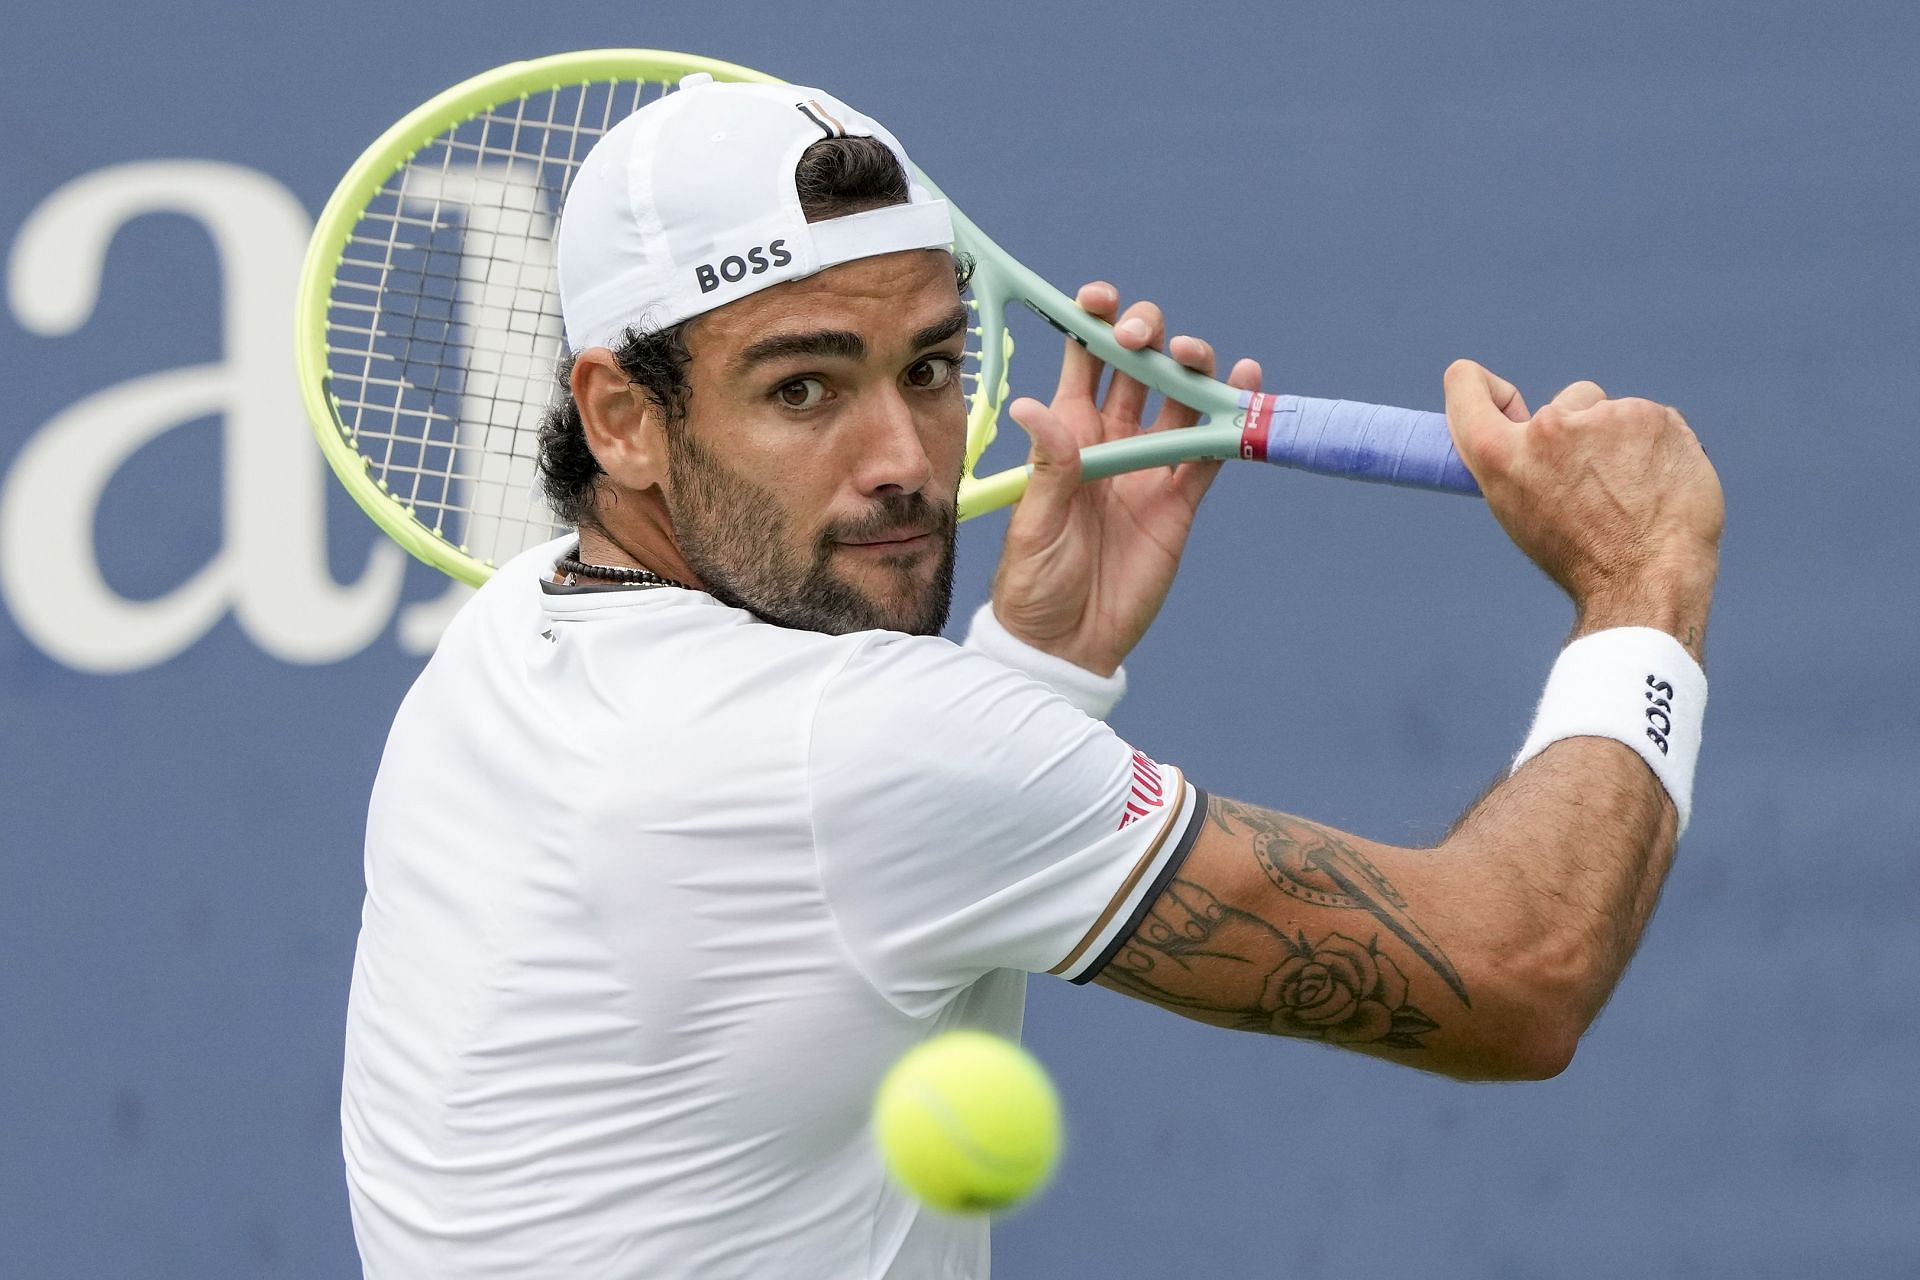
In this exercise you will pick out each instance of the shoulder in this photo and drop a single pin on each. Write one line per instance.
(896, 685)
(902, 719)
(878, 664)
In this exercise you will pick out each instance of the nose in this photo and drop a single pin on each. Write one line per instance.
(893, 457)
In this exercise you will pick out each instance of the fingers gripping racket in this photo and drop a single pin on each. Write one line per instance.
(429, 326)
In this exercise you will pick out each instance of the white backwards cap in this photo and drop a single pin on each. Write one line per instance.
(689, 204)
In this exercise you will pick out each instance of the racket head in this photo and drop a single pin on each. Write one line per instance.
(428, 324)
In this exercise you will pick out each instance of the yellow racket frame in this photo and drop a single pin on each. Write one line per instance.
(387, 156)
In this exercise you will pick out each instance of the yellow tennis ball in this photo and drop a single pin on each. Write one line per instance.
(968, 1122)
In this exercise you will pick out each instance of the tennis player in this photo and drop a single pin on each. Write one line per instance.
(694, 823)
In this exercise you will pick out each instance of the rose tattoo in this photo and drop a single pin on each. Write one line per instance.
(1341, 991)
(1194, 951)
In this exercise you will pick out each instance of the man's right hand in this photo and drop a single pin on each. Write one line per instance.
(1490, 960)
(1614, 499)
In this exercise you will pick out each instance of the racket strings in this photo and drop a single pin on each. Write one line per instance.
(444, 331)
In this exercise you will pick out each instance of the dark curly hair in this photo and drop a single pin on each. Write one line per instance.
(835, 177)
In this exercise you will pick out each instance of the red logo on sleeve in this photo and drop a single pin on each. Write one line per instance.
(1146, 790)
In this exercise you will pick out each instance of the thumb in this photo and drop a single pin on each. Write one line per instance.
(1055, 459)
(1581, 395)
(1482, 409)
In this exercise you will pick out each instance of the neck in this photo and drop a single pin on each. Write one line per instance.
(642, 538)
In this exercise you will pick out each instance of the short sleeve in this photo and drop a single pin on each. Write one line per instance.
(1095, 695)
(967, 818)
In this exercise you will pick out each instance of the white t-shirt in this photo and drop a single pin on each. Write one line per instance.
(657, 891)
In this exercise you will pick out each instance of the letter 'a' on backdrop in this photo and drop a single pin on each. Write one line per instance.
(271, 568)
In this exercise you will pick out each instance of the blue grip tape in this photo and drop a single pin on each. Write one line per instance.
(1406, 447)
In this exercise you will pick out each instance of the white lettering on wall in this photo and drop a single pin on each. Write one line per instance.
(271, 569)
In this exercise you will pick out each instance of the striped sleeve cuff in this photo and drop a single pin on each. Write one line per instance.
(1141, 889)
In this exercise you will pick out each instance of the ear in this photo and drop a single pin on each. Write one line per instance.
(624, 427)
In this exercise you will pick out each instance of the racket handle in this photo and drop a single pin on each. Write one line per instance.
(1405, 447)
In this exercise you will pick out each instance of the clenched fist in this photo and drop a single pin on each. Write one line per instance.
(1614, 499)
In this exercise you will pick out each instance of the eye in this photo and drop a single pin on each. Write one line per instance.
(933, 373)
(801, 393)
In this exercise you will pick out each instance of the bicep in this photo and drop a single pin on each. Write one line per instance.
(1280, 925)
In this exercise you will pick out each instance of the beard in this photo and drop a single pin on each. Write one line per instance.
(734, 535)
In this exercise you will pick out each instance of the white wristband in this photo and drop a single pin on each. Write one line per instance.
(1094, 694)
(1636, 685)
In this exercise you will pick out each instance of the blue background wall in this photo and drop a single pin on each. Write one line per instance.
(1711, 204)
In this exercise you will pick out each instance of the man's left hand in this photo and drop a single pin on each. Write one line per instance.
(1086, 567)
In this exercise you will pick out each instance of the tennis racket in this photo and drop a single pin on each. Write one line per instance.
(429, 326)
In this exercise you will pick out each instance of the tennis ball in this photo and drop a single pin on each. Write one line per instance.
(968, 1122)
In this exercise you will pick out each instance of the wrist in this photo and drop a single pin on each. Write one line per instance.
(1636, 685)
(1103, 663)
(1676, 602)
(1094, 693)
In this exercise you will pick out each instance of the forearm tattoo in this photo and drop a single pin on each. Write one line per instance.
(1227, 965)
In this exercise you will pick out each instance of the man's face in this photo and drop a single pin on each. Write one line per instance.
(813, 479)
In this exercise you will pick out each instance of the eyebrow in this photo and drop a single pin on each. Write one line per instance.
(841, 344)
(941, 330)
